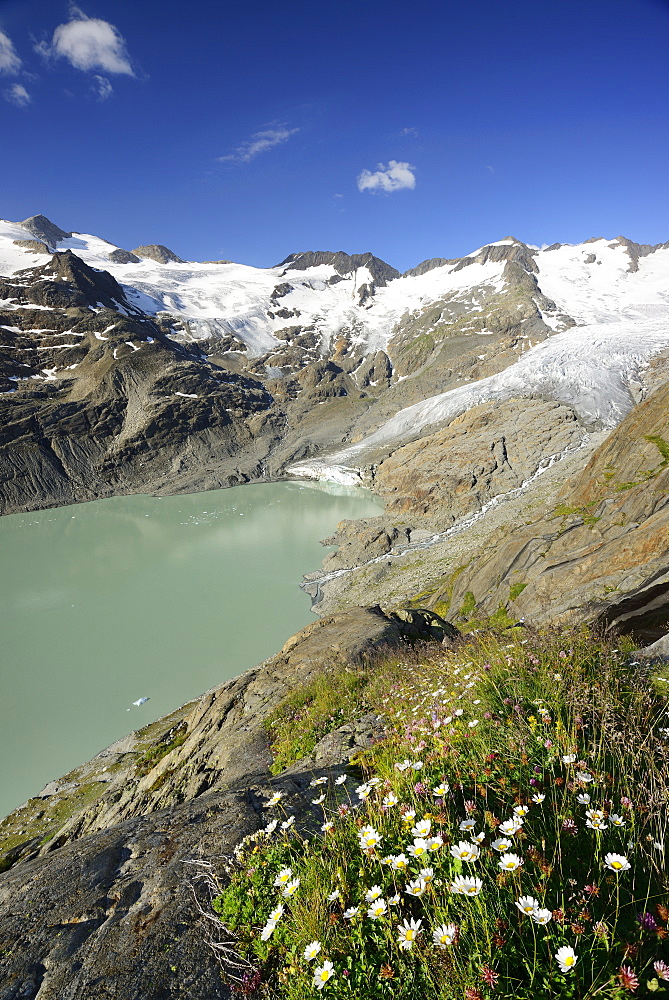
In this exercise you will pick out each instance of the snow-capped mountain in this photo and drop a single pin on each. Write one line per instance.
(384, 357)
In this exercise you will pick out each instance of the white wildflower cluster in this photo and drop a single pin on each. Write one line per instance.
(421, 845)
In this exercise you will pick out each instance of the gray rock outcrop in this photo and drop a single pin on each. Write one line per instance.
(35, 245)
(45, 230)
(343, 263)
(156, 251)
(124, 257)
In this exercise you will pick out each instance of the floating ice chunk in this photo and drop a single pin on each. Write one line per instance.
(136, 704)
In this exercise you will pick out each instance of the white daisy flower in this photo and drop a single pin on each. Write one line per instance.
(419, 848)
(510, 862)
(390, 800)
(369, 838)
(467, 825)
(617, 863)
(271, 827)
(541, 916)
(276, 798)
(283, 877)
(440, 790)
(464, 851)
(434, 843)
(569, 758)
(566, 958)
(444, 935)
(583, 799)
(291, 888)
(267, 931)
(399, 862)
(501, 844)
(312, 950)
(374, 893)
(335, 894)
(327, 826)
(527, 904)
(422, 828)
(351, 912)
(407, 932)
(287, 823)
(416, 887)
(341, 779)
(584, 776)
(377, 909)
(616, 820)
(511, 826)
(427, 875)
(394, 900)
(466, 886)
(323, 974)
(317, 802)
(276, 913)
(317, 781)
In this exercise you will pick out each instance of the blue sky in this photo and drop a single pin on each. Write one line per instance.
(252, 130)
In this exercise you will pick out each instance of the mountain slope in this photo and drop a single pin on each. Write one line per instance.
(324, 365)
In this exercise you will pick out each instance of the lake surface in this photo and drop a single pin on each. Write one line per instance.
(104, 603)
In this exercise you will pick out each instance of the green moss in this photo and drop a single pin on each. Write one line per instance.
(564, 511)
(515, 590)
(306, 715)
(661, 445)
(173, 739)
(468, 605)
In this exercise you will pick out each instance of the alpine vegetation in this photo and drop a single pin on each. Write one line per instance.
(506, 838)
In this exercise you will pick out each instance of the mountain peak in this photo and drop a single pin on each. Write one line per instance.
(44, 229)
(343, 263)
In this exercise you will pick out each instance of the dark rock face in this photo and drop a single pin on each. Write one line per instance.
(124, 257)
(96, 400)
(43, 229)
(35, 245)
(428, 265)
(343, 263)
(156, 251)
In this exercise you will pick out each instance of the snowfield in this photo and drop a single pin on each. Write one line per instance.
(621, 316)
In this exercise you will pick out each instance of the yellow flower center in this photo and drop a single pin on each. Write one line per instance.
(569, 960)
(409, 935)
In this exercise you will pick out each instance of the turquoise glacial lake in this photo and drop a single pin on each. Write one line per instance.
(104, 603)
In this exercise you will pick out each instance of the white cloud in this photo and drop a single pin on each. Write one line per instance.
(395, 177)
(409, 131)
(260, 142)
(103, 87)
(89, 43)
(18, 95)
(9, 60)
